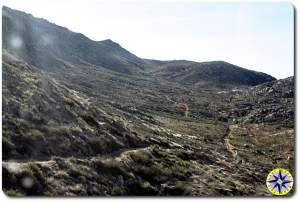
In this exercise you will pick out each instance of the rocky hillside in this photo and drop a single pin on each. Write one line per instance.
(76, 123)
(47, 118)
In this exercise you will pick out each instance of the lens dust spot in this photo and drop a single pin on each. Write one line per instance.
(16, 42)
(27, 182)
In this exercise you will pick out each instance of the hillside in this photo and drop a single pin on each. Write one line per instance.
(48, 46)
(209, 73)
(87, 118)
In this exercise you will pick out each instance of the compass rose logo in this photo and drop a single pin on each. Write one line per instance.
(279, 181)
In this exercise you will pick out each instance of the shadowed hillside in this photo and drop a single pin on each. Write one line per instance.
(87, 118)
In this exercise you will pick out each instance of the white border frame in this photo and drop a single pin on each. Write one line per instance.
(295, 197)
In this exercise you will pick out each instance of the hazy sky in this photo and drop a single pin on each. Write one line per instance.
(256, 36)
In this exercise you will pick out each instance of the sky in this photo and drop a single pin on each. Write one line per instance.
(257, 36)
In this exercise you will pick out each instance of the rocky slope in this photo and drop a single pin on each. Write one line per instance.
(73, 126)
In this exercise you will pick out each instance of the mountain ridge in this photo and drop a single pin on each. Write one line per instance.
(46, 44)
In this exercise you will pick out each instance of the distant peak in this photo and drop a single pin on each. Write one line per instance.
(109, 42)
(220, 62)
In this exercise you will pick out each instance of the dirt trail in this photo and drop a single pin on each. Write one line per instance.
(16, 165)
(182, 105)
(229, 147)
(186, 109)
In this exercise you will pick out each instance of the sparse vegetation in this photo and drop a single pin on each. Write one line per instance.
(92, 124)
(116, 191)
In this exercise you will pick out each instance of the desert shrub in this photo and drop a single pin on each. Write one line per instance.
(103, 145)
(75, 173)
(35, 135)
(13, 193)
(185, 155)
(78, 190)
(61, 174)
(141, 157)
(147, 173)
(116, 191)
(113, 167)
(37, 119)
(62, 164)
(147, 189)
(179, 189)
